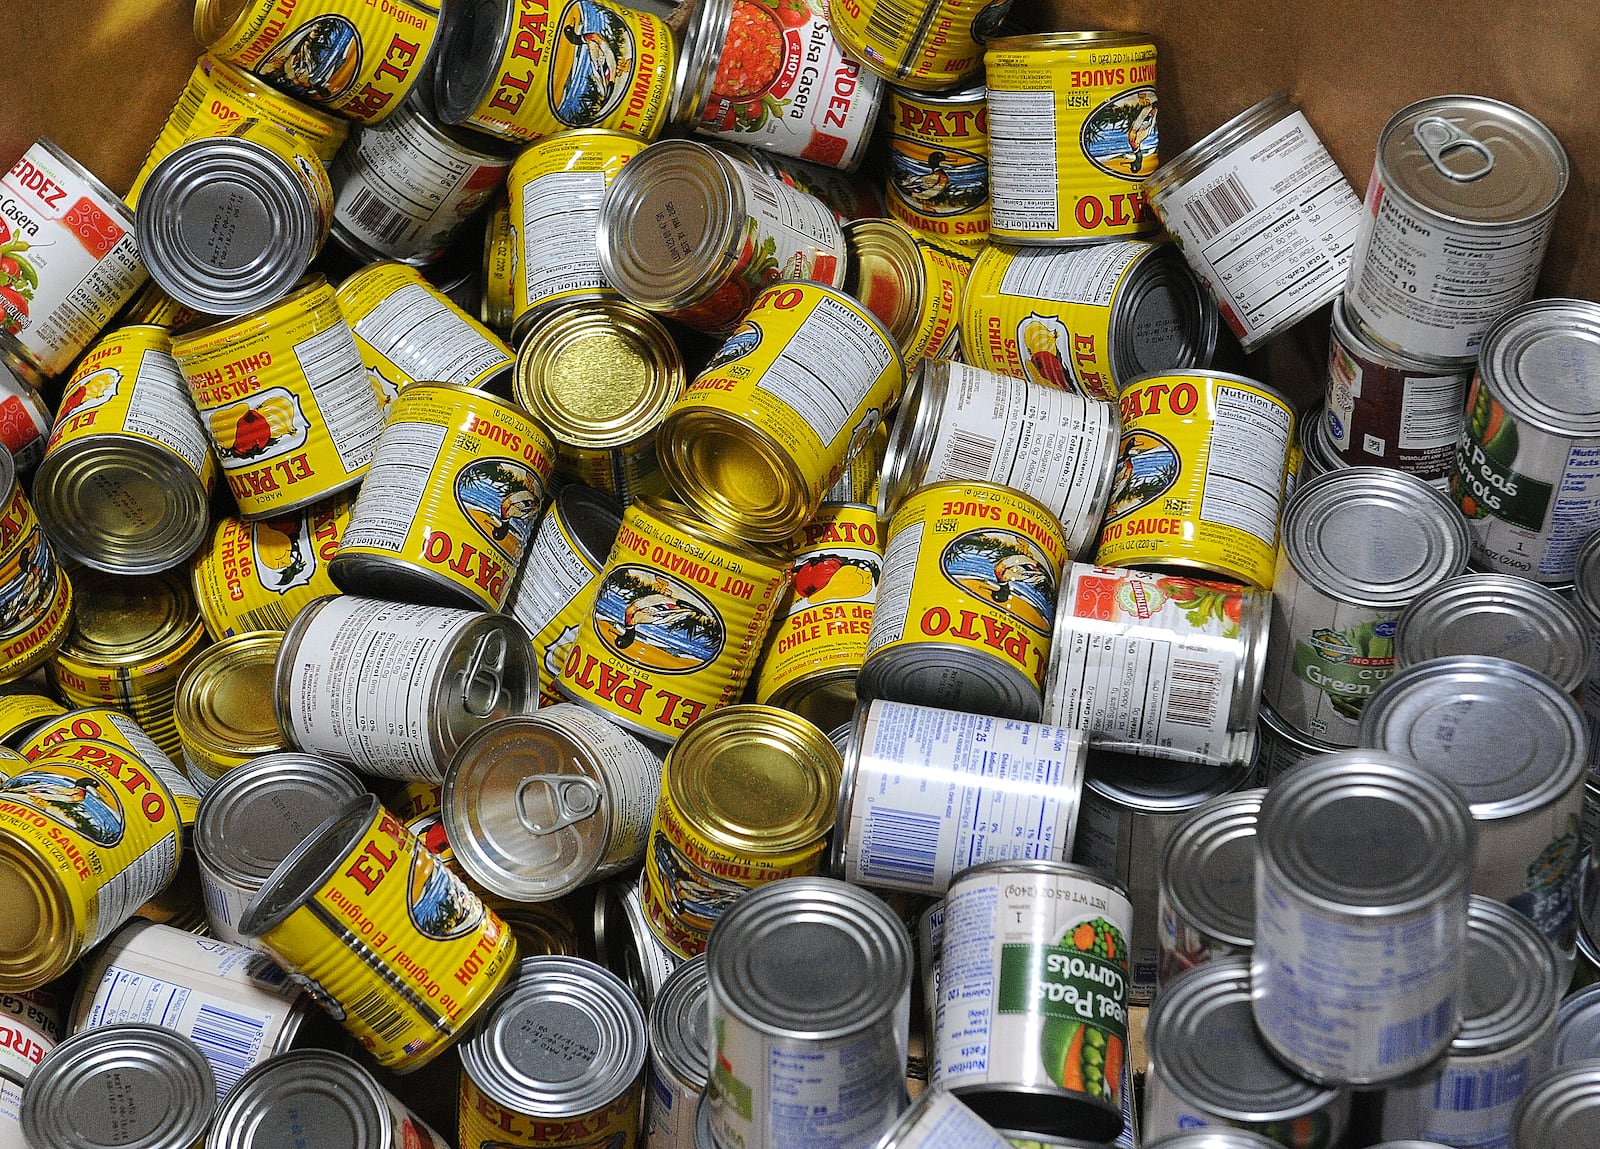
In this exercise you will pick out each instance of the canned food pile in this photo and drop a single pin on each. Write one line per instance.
(553, 591)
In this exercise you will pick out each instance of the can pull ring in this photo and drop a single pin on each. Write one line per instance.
(545, 805)
(481, 680)
(1439, 137)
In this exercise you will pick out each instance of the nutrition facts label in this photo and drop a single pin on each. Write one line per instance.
(411, 326)
(827, 368)
(1090, 277)
(394, 487)
(1244, 467)
(553, 576)
(351, 417)
(159, 408)
(1023, 181)
(560, 216)
(894, 588)
(130, 888)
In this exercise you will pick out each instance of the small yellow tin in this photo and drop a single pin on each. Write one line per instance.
(284, 395)
(1072, 120)
(913, 286)
(446, 512)
(154, 306)
(747, 798)
(223, 709)
(257, 576)
(768, 426)
(118, 738)
(355, 58)
(679, 615)
(1200, 476)
(383, 934)
(938, 164)
(22, 709)
(35, 595)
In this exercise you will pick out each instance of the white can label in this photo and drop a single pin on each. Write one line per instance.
(425, 339)
(945, 1123)
(796, 223)
(1167, 1114)
(1469, 1100)
(633, 782)
(669, 1110)
(225, 905)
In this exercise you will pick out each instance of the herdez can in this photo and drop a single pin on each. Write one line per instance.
(126, 478)
(1524, 470)
(395, 689)
(1200, 476)
(676, 624)
(257, 576)
(849, 195)
(445, 513)
(357, 60)
(759, 436)
(285, 398)
(1159, 665)
(747, 799)
(913, 287)
(1263, 215)
(939, 164)
(928, 47)
(808, 973)
(1462, 202)
(929, 793)
(1208, 1067)
(966, 602)
(1358, 546)
(680, 1058)
(68, 260)
(382, 935)
(1207, 878)
(1033, 1019)
(1088, 319)
(1072, 136)
(1362, 875)
(25, 417)
(522, 69)
(223, 707)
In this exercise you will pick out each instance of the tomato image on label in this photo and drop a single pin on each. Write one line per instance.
(1043, 336)
(1119, 137)
(835, 578)
(501, 498)
(755, 56)
(1146, 466)
(18, 279)
(593, 64)
(284, 555)
(440, 905)
(90, 392)
(79, 801)
(656, 622)
(264, 426)
(317, 62)
(1007, 569)
(27, 583)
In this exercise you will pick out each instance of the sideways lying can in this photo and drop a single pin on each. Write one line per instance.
(934, 49)
(257, 576)
(939, 164)
(499, 265)
(37, 593)
(680, 1059)
(1207, 877)
(625, 944)
(938, 1120)
(109, 738)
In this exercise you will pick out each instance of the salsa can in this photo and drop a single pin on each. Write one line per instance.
(25, 417)
(1072, 136)
(257, 576)
(927, 47)
(914, 287)
(1088, 319)
(939, 164)
(223, 707)
(680, 1061)
(1207, 885)
(71, 255)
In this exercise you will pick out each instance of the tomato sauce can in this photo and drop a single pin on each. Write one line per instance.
(358, 61)
(680, 1062)
(677, 622)
(1206, 876)
(1362, 873)
(625, 944)
(1358, 546)
(1461, 206)
(810, 1002)
(761, 434)
(705, 267)
(1033, 1019)
(966, 602)
(446, 512)
(101, 734)
(938, 160)
(911, 285)
(223, 707)
(1264, 217)
(1072, 136)
(774, 76)
(927, 47)
(1200, 477)
(1087, 319)
(394, 689)
(67, 257)
(257, 576)
(359, 894)
(35, 590)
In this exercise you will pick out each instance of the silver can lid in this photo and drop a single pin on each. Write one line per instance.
(1541, 361)
(305, 1097)
(1507, 739)
(132, 1086)
(308, 866)
(1203, 1042)
(1372, 536)
(1586, 581)
(1578, 1026)
(1500, 616)
(950, 676)
(1561, 1109)
(1208, 866)
(256, 814)
(564, 1039)
(1365, 833)
(1163, 319)
(680, 1025)
(1512, 982)
(809, 959)
(949, 1122)
(1216, 1137)
(1473, 160)
(1157, 785)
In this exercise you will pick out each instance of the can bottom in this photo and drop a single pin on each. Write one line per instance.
(38, 941)
(950, 677)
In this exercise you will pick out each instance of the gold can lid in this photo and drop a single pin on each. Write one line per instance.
(129, 620)
(755, 778)
(598, 373)
(885, 272)
(224, 700)
(39, 936)
(683, 519)
(213, 18)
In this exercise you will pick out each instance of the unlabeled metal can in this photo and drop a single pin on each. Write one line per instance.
(706, 266)
(810, 1000)
(1207, 878)
(536, 806)
(1091, 319)
(1358, 546)
(1561, 1108)
(963, 617)
(557, 1061)
(1263, 215)
(1362, 871)
(1512, 743)
(109, 738)
(747, 798)
(1507, 1038)
(285, 398)
(223, 707)
(677, 622)
(71, 258)
(128, 471)
(913, 287)
(1223, 1139)
(1524, 469)
(257, 576)
(1577, 1035)
(1160, 665)
(1032, 1020)
(1208, 1067)
(680, 1059)
(923, 46)
(395, 689)
(927, 794)
(1462, 202)
(383, 935)
(445, 514)
(1072, 135)
(625, 944)
(939, 164)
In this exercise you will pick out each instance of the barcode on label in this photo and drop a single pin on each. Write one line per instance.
(968, 456)
(1191, 693)
(899, 846)
(1221, 206)
(1461, 1091)
(370, 216)
(380, 1014)
(1405, 1040)
(1431, 411)
(230, 1041)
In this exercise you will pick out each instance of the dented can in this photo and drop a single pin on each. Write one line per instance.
(223, 708)
(1207, 885)
(927, 47)
(911, 285)
(257, 576)
(939, 164)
